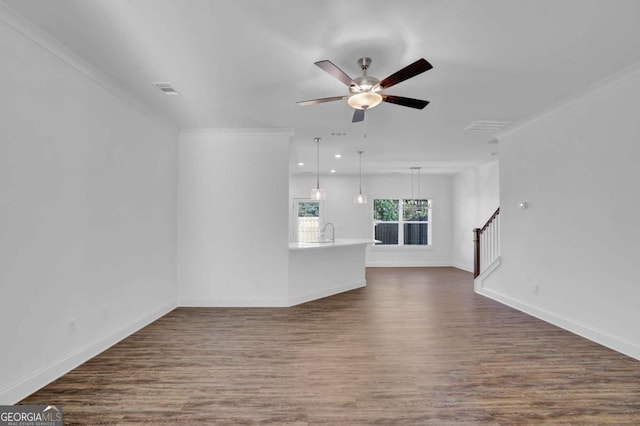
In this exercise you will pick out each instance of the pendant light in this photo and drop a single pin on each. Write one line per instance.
(318, 193)
(419, 202)
(360, 198)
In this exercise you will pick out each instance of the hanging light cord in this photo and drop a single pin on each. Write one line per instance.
(360, 171)
(317, 163)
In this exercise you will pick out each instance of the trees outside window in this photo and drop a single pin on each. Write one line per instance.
(402, 221)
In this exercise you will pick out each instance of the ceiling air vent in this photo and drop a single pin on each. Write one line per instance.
(492, 125)
(166, 88)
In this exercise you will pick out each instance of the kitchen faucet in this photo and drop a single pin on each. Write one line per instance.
(333, 232)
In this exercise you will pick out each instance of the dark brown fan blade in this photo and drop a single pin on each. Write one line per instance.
(418, 67)
(336, 72)
(358, 115)
(321, 100)
(408, 102)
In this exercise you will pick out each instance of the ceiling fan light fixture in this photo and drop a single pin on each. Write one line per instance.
(364, 100)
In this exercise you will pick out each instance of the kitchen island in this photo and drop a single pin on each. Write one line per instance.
(321, 269)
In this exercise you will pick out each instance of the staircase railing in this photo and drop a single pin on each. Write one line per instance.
(486, 244)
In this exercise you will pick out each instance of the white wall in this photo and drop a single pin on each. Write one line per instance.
(87, 215)
(476, 196)
(577, 168)
(320, 272)
(233, 218)
(355, 221)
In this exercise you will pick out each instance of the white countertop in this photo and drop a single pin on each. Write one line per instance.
(337, 243)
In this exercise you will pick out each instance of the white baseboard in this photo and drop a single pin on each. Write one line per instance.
(467, 268)
(325, 292)
(478, 282)
(422, 264)
(15, 392)
(604, 339)
(233, 303)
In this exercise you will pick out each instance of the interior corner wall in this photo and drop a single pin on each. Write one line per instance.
(232, 218)
(571, 257)
(356, 221)
(476, 196)
(87, 216)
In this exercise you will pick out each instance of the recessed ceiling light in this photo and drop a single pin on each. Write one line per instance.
(333, 170)
(301, 164)
(338, 155)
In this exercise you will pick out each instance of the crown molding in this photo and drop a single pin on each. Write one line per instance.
(39, 37)
(627, 73)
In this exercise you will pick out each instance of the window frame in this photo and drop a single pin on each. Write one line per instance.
(401, 222)
(295, 236)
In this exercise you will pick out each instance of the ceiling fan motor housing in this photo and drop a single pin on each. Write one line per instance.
(365, 94)
(364, 63)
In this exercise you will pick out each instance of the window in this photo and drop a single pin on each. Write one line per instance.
(307, 220)
(402, 222)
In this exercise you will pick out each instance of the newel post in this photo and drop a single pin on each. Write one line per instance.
(476, 252)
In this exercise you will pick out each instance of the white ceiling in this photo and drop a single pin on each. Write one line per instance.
(245, 63)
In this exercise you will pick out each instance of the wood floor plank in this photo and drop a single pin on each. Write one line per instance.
(414, 347)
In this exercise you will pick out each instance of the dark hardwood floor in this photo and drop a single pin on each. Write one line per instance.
(415, 347)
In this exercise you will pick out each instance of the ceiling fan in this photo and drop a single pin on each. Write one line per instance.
(366, 92)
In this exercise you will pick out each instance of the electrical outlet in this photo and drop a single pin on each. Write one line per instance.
(71, 326)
